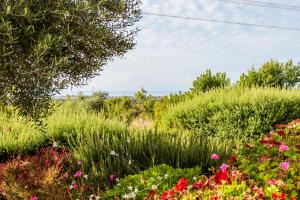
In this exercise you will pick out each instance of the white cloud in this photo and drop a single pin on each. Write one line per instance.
(171, 52)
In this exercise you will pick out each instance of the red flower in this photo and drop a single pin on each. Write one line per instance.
(221, 176)
(167, 195)
(281, 133)
(232, 159)
(282, 196)
(151, 194)
(181, 184)
(198, 185)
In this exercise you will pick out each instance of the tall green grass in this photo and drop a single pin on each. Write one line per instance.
(234, 113)
(117, 150)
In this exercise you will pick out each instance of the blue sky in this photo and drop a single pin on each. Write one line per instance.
(171, 53)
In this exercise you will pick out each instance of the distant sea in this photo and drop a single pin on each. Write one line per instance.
(120, 93)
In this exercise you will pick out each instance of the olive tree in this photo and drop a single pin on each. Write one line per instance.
(48, 45)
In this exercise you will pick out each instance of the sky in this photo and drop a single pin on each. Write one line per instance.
(170, 53)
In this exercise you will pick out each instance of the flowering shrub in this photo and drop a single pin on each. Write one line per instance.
(48, 173)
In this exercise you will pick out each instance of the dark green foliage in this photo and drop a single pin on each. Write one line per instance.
(207, 81)
(162, 176)
(121, 108)
(97, 101)
(234, 113)
(46, 46)
(272, 74)
(144, 103)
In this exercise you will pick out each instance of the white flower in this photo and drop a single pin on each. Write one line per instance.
(117, 180)
(113, 153)
(154, 187)
(128, 140)
(132, 195)
(166, 176)
(130, 188)
(125, 196)
(194, 178)
(54, 144)
(71, 187)
(91, 196)
(189, 187)
(97, 198)
(136, 190)
(130, 162)
(85, 176)
(142, 180)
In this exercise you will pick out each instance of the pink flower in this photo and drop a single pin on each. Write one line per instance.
(284, 166)
(215, 156)
(224, 167)
(79, 162)
(283, 147)
(33, 198)
(112, 178)
(78, 174)
(272, 181)
(47, 163)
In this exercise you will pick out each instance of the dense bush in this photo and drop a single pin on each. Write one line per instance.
(234, 113)
(156, 179)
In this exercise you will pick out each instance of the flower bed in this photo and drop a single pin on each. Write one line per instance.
(267, 169)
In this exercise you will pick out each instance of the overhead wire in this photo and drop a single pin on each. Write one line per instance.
(222, 21)
(262, 4)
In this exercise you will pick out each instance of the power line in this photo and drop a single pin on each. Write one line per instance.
(272, 3)
(222, 21)
(262, 4)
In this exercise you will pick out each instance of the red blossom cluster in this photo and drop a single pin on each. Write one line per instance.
(32, 173)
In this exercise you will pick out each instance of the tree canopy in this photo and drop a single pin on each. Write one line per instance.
(272, 74)
(46, 46)
(207, 81)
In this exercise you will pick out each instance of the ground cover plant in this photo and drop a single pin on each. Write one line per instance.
(240, 113)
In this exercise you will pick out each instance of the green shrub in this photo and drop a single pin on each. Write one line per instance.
(234, 113)
(18, 137)
(161, 177)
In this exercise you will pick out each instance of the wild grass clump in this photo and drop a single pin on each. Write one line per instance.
(237, 113)
(116, 150)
